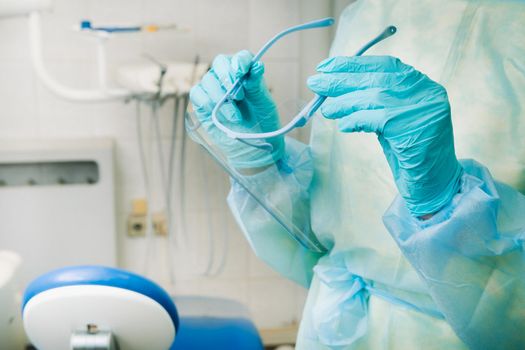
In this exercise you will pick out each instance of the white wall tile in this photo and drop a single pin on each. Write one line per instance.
(226, 241)
(259, 269)
(78, 74)
(220, 27)
(115, 119)
(122, 49)
(115, 12)
(272, 302)
(231, 289)
(282, 78)
(178, 43)
(18, 112)
(60, 118)
(300, 299)
(59, 39)
(173, 44)
(206, 183)
(14, 43)
(269, 17)
(130, 182)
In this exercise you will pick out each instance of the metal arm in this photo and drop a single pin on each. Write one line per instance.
(88, 95)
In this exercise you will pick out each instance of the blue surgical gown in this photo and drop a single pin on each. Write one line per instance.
(389, 281)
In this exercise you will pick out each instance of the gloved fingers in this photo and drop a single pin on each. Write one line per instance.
(344, 105)
(229, 69)
(242, 64)
(362, 64)
(253, 84)
(210, 83)
(201, 102)
(337, 84)
(227, 73)
(365, 120)
(202, 105)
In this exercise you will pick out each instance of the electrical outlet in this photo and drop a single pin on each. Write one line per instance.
(160, 224)
(138, 219)
(137, 225)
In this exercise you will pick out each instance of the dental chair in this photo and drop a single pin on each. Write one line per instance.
(102, 308)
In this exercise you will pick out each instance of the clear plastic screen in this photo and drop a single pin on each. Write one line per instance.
(204, 133)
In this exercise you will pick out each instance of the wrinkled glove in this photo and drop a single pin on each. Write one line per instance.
(410, 115)
(253, 109)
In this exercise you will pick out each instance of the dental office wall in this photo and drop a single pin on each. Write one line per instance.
(29, 111)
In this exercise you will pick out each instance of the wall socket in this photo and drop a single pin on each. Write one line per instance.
(160, 224)
(138, 219)
(137, 225)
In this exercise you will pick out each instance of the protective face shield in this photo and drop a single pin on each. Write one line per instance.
(250, 147)
(248, 179)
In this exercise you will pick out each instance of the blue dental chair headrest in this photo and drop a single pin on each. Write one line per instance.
(102, 276)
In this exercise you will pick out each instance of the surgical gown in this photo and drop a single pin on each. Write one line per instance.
(389, 281)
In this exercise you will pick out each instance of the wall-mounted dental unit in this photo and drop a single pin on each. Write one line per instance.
(144, 80)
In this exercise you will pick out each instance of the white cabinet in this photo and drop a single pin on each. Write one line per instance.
(57, 205)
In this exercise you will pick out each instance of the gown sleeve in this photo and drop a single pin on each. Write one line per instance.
(470, 255)
(285, 189)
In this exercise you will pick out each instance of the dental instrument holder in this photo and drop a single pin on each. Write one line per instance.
(308, 111)
(102, 35)
(104, 91)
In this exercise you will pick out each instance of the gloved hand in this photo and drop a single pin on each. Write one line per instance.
(411, 116)
(252, 111)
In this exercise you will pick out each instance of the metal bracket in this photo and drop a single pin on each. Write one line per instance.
(93, 339)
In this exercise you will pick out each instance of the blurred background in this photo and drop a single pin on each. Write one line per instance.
(40, 128)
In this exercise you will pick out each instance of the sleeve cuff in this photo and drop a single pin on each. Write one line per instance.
(474, 176)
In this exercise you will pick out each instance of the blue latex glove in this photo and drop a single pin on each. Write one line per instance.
(252, 111)
(411, 116)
